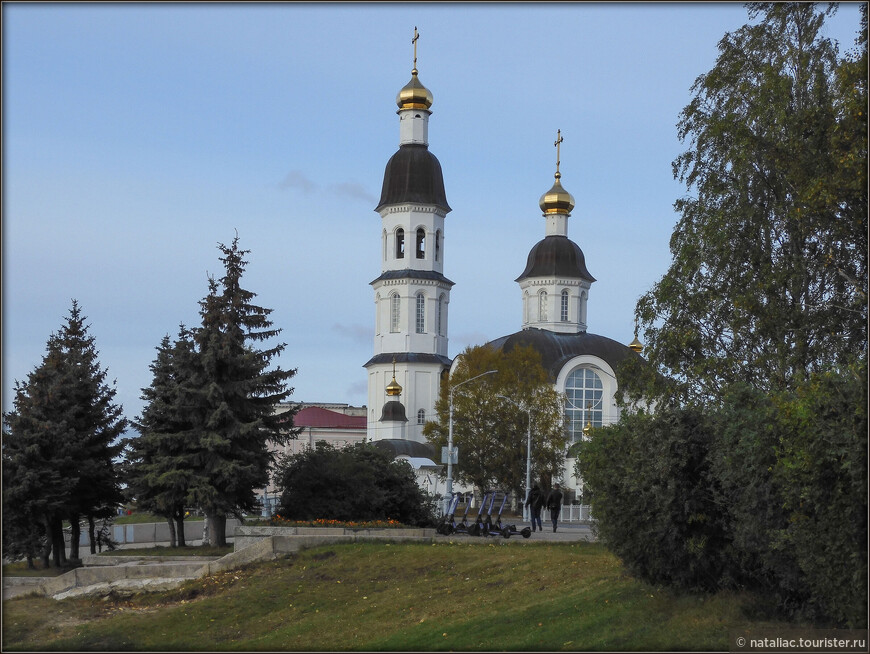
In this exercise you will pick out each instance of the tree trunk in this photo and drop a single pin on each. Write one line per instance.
(179, 528)
(58, 547)
(171, 523)
(49, 540)
(30, 565)
(91, 538)
(75, 534)
(218, 528)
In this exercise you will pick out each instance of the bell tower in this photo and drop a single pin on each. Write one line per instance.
(411, 294)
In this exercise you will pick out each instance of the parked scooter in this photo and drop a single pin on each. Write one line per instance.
(506, 531)
(477, 527)
(462, 527)
(491, 528)
(445, 528)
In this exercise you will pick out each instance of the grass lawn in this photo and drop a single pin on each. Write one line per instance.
(375, 596)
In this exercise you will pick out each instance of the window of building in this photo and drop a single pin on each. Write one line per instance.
(542, 306)
(564, 312)
(438, 245)
(421, 417)
(421, 313)
(421, 243)
(439, 317)
(395, 308)
(400, 243)
(584, 401)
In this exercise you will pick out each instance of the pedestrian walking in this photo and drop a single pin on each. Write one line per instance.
(535, 502)
(554, 503)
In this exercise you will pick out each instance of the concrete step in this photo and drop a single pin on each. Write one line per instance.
(121, 587)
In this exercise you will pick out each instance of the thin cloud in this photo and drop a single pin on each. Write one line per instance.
(353, 191)
(355, 333)
(297, 180)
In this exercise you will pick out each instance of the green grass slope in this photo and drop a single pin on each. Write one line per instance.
(371, 596)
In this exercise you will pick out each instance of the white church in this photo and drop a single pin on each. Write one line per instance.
(412, 296)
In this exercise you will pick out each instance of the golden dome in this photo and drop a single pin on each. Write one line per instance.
(393, 388)
(636, 345)
(557, 199)
(414, 95)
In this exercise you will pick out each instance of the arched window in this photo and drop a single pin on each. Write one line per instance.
(438, 245)
(542, 306)
(421, 313)
(584, 401)
(421, 417)
(564, 305)
(527, 308)
(400, 243)
(421, 243)
(395, 309)
(439, 317)
(581, 311)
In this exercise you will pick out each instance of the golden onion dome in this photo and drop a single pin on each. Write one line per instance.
(414, 95)
(557, 199)
(393, 388)
(636, 345)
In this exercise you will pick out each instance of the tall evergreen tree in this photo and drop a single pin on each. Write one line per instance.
(161, 459)
(234, 398)
(62, 437)
(769, 275)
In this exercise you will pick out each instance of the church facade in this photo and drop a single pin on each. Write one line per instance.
(412, 295)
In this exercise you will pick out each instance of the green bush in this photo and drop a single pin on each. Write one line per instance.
(650, 485)
(767, 492)
(356, 483)
(822, 475)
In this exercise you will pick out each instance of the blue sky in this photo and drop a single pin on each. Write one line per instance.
(136, 137)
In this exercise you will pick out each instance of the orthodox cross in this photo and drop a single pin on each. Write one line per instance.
(559, 139)
(414, 41)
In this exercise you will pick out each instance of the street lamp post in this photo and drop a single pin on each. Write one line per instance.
(526, 516)
(448, 492)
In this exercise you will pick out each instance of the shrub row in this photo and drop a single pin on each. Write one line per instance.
(764, 492)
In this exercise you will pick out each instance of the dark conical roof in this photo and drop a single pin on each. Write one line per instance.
(394, 411)
(556, 256)
(413, 174)
(398, 447)
(556, 349)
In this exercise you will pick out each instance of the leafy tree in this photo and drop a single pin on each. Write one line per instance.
(232, 396)
(492, 433)
(769, 275)
(161, 461)
(360, 482)
(60, 442)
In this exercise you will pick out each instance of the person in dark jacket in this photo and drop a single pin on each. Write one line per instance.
(554, 503)
(535, 502)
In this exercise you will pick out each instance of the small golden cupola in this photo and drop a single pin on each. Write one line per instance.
(557, 200)
(393, 388)
(414, 95)
(636, 345)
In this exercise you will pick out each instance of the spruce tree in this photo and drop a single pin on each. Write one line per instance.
(234, 397)
(161, 459)
(62, 438)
